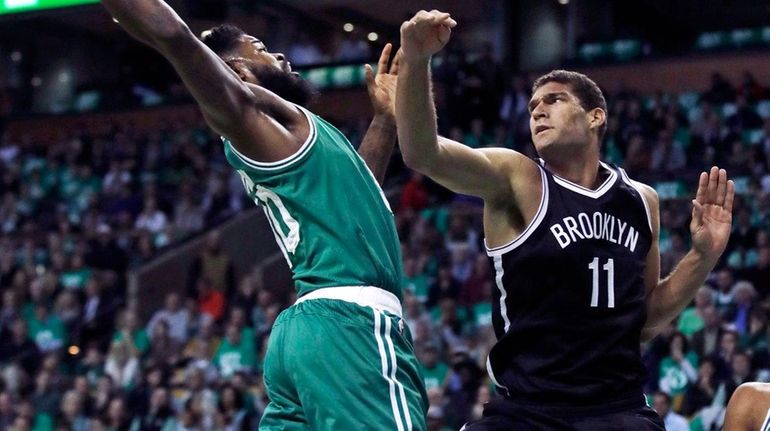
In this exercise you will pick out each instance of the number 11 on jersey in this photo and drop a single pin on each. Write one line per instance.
(610, 268)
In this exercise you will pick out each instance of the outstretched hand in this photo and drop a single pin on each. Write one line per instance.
(382, 85)
(712, 213)
(425, 34)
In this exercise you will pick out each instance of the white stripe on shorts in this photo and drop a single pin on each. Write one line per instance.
(384, 362)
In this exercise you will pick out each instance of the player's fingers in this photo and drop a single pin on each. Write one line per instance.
(382, 64)
(396, 62)
(697, 212)
(449, 22)
(369, 73)
(729, 196)
(721, 187)
(438, 17)
(711, 197)
(703, 182)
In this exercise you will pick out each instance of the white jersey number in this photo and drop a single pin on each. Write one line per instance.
(610, 268)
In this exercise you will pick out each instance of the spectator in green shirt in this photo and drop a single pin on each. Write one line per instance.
(136, 337)
(77, 275)
(46, 330)
(235, 353)
(434, 371)
(678, 370)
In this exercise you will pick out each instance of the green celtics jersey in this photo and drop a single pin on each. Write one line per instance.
(328, 214)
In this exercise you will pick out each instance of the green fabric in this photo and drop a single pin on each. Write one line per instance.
(139, 337)
(326, 368)
(418, 285)
(438, 216)
(329, 215)
(235, 357)
(76, 278)
(43, 422)
(673, 373)
(690, 322)
(49, 334)
(474, 141)
(434, 377)
(482, 314)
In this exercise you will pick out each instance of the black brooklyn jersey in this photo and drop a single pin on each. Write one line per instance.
(568, 307)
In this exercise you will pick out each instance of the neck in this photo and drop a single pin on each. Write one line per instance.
(580, 167)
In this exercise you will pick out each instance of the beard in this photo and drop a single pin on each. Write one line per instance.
(287, 85)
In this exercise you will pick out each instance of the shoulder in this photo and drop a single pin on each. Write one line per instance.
(524, 174)
(651, 201)
(517, 167)
(507, 158)
(752, 391)
(648, 193)
(750, 402)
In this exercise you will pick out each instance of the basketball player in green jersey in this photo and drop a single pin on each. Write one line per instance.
(340, 358)
(749, 408)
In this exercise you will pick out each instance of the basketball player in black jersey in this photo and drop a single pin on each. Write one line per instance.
(574, 244)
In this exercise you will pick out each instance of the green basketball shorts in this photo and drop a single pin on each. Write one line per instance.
(342, 359)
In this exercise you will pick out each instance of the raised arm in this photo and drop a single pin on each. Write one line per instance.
(710, 229)
(377, 145)
(464, 170)
(253, 118)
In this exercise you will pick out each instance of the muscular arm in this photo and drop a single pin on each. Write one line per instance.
(247, 116)
(377, 145)
(461, 169)
(710, 229)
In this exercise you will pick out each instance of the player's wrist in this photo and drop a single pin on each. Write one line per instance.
(410, 58)
(384, 119)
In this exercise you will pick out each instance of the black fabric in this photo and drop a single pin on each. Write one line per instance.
(567, 342)
(504, 415)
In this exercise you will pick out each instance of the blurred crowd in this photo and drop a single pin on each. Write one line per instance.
(74, 355)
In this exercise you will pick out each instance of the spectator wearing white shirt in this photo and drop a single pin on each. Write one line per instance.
(151, 218)
(673, 421)
(175, 315)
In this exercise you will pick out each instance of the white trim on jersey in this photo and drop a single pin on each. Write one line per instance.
(630, 182)
(539, 216)
(390, 376)
(288, 161)
(499, 272)
(595, 194)
(493, 378)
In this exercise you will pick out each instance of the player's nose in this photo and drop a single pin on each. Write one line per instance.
(279, 56)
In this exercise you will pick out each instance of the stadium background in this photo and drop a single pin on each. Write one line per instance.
(139, 284)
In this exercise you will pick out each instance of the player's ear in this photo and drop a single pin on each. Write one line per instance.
(597, 117)
(240, 69)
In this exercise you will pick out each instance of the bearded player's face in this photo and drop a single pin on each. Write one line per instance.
(270, 70)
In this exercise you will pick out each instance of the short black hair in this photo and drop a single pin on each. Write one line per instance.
(586, 90)
(222, 39)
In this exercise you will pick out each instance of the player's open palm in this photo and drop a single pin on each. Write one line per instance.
(712, 213)
(382, 85)
(425, 34)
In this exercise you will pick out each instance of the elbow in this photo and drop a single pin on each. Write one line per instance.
(171, 34)
(416, 162)
(411, 160)
(417, 157)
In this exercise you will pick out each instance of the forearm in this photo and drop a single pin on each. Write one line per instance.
(377, 145)
(416, 114)
(673, 293)
(150, 21)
